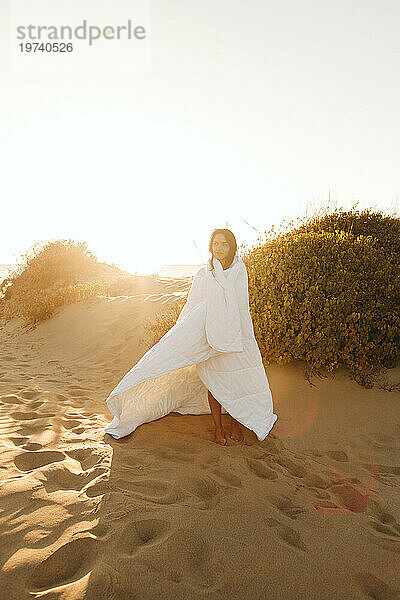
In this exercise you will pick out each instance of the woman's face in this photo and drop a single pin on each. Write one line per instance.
(220, 247)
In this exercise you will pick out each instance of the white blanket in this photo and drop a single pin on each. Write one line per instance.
(210, 347)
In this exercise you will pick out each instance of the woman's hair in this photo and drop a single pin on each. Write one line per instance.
(230, 238)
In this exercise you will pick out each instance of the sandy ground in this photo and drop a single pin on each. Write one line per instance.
(311, 512)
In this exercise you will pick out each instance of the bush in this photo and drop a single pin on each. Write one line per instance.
(49, 275)
(384, 229)
(48, 264)
(330, 298)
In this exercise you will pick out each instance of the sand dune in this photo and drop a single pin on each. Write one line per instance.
(311, 512)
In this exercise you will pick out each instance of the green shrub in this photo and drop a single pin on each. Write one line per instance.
(328, 298)
(384, 229)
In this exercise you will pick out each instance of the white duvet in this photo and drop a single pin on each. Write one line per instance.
(210, 347)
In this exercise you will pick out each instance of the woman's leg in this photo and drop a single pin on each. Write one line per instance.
(216, 415)
(236, 433)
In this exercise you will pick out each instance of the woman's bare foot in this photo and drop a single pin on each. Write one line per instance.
(219, 437)
(236, 434)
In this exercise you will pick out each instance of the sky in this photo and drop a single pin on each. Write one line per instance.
(229, 112)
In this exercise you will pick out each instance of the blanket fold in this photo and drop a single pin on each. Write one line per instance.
(210, 347)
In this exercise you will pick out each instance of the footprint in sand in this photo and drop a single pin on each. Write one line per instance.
(199, 491)
(32, 446)
(34, 460)
(287, 534)
(261, 470)
(34, 405)
(32, 427)
(273, 445)
(253, 451)
(11, 399)
(286, 506)
(349, 497)
(78, 393)
(29, 416)
(384, 523)
(150, 490)
(292, 467)
(67, 564)
(100, 531)
(388, 470)
(19, 441)
(70, 423)
(60, 477)
(204, 490)
(375, 588)
(101, 487)
(320, 493)
(29, 394)
(137, 534)
(85, 456)
(172, 455)
(228, 477)
(186, 556)
(313, 480)
(338, 455)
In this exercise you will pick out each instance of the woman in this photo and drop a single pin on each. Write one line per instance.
(209, 360)
(224, 251)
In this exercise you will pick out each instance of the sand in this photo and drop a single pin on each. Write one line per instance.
(311, 512)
